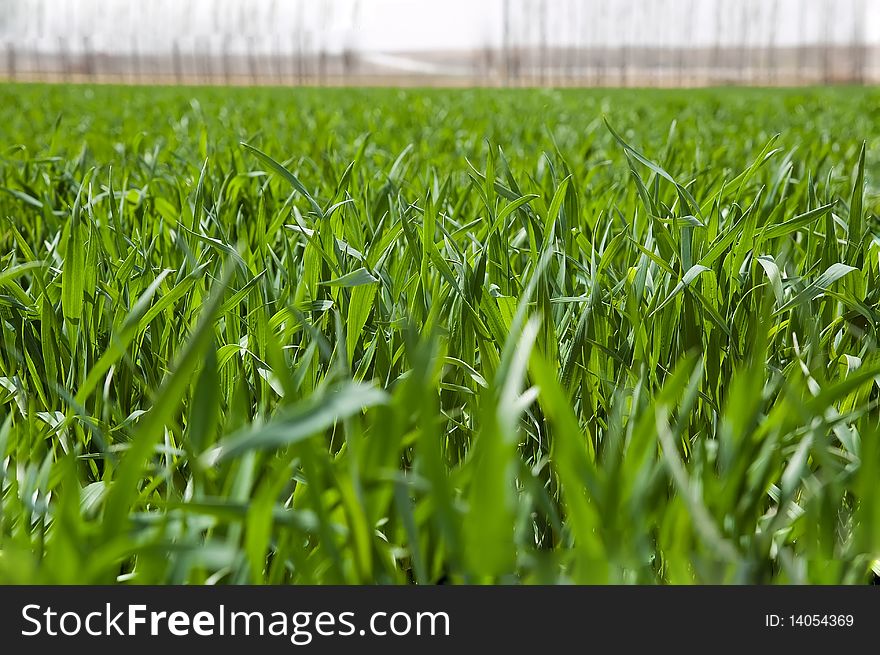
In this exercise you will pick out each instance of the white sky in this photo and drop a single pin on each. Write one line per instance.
(422, 24)
(433, 24)
(401, 25)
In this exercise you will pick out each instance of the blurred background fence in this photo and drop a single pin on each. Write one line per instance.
(454, 42)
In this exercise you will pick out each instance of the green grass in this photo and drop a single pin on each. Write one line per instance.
(439, 336)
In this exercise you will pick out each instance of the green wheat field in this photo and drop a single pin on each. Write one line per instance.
(418, 337)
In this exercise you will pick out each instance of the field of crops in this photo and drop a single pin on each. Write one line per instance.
(358, 336)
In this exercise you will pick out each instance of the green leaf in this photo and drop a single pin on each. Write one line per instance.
(305, 420)
(815, 288)
(796, 223)
(354, 279)
(73, 273)
(685, 281)
(854, 230)
(287, 175)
